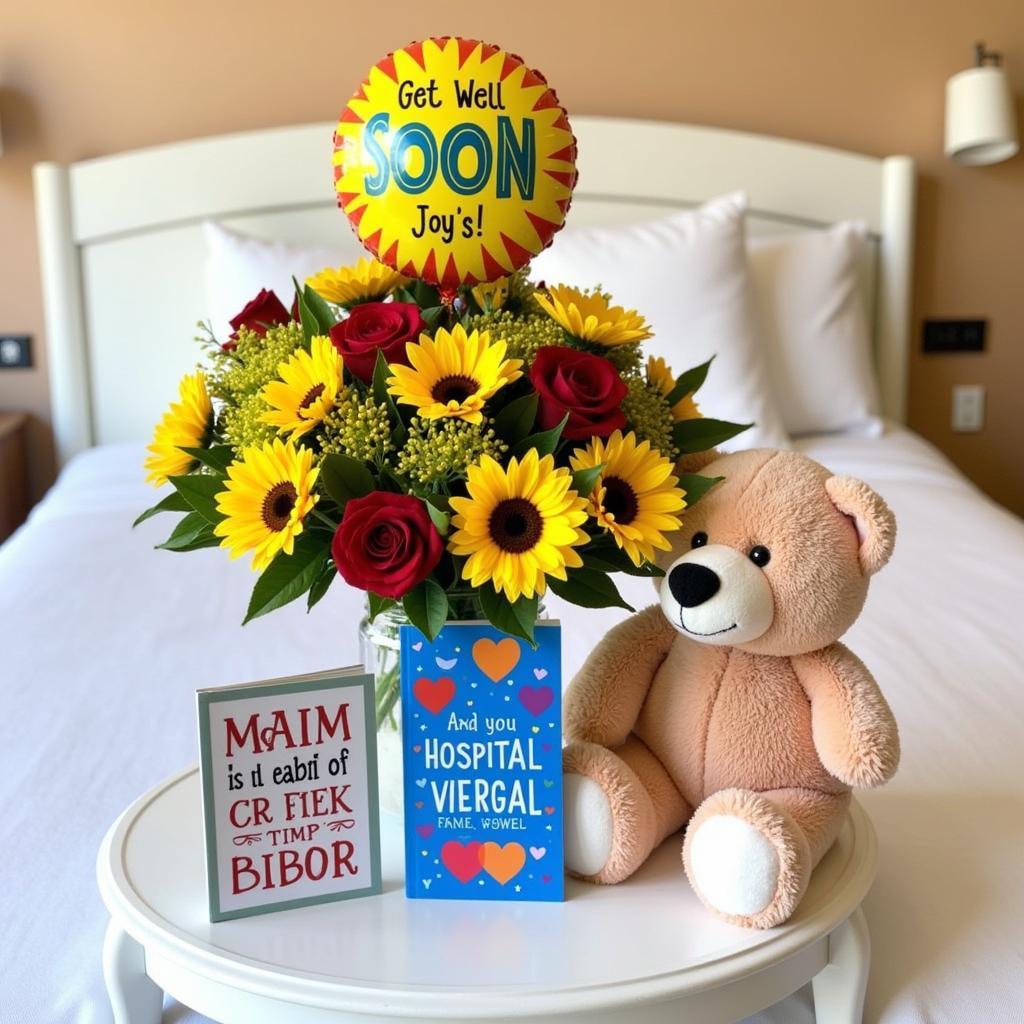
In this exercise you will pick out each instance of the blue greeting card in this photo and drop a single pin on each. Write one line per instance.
(482, 736)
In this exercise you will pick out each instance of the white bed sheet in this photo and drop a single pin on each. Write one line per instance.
(104, 640)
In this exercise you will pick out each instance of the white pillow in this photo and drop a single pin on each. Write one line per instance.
(688, 276)
(814, 324)
(238, 266)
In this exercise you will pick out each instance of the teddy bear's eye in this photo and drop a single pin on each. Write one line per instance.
(760, 556)
(699, 540)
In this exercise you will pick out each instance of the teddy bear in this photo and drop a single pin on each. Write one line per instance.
(730, 707)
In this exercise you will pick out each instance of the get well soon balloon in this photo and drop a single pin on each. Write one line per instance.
(454, 162)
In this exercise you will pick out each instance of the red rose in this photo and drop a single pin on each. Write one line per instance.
(386, 543)
(374, 327)
(586, 387)
(259, 313)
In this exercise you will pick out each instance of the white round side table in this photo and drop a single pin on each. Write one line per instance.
(645, 951)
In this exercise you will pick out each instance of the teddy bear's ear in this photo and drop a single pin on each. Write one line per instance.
(875, 523)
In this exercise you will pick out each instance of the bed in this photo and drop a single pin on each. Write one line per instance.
(104, 640)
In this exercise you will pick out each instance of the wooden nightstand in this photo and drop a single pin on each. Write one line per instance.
(14, 499)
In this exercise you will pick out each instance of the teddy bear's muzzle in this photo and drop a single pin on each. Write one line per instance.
(717, 595)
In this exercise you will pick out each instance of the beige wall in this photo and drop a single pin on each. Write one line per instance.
(80, 80)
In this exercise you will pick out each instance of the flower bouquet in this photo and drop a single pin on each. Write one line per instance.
(453, 459)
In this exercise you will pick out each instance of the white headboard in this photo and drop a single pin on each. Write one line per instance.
(122, 251)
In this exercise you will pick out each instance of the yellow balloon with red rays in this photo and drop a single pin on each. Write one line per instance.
(454, 162)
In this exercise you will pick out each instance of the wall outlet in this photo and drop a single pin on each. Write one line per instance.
(968, 407)
(15, 351)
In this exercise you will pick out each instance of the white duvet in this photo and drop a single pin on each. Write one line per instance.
(103, 642)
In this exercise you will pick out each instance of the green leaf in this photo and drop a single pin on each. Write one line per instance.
(545, 442)
(345, 478)
(321, 584)
(700, 434)
(440, 518)
(432, 315)
(439, 501)
(697, 486)
(516, 420)
(516, 618)
(588, 588)
(381, 373)
(307, 317)
(609, 558)
(399, 434)
(379, 604)
(200, 490)
(380, 380)
(288, 576)
(424, 295)
(174, 502)
(584, 480)
(690, 381)
(217, 458)
(390, 481)
(427, 608)
(322, 313)
(191, 533)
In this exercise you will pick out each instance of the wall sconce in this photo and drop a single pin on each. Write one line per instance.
(981, 124)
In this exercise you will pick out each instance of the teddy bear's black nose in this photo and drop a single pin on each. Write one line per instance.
(693, 584)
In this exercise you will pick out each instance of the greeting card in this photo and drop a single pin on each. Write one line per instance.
(289, 778)
(482, 736)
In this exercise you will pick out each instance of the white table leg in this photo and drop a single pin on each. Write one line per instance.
(839, 988)
(134, 997)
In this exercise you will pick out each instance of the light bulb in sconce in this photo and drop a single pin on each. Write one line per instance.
(981, 122)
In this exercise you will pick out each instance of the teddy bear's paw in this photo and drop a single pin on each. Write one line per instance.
(611, 822)
(589, 829)
(746, 858)
(733, 866)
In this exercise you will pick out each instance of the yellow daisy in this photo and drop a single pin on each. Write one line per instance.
(186, 424)
(307, 390)
(589, 316)
(660, 376)
(453, 374)
(518, 525)
(492, 295)
(269, 492)
(364, 282)
(635, 498)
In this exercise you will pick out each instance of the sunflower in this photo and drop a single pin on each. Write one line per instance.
(186, 424)
(267, 496)
(659, 375)
(518, 525)
(453, 374)
(491, 296)
(368, 280)
(589, 316)
(635, 498)
(307, 390)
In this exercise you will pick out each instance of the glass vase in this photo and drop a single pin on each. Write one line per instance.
(380, 649)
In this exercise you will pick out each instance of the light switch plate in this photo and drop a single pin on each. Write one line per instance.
(953, 335)
(968, 407)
